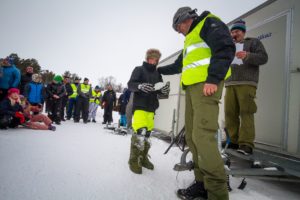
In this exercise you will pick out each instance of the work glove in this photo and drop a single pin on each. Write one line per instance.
(20, 116)
(165, 90)
(146, 87)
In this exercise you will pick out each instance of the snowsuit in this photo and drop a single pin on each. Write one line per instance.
(53, 104)
(82, 105)
(8, 111)
(10, 78)
(94, 104)
(201, 112)
(240, 94)
(109, 100)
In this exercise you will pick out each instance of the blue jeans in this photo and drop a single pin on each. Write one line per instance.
(71, 108)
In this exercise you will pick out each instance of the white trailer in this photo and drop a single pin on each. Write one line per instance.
(277, 24)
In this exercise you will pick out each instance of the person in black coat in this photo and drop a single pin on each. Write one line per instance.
(55, 91)
(26, 78)
(65, 97)
(145, 102)
(122, 103)
(108, 102)
(84, 92)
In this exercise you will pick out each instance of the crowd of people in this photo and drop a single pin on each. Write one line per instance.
(23, 98)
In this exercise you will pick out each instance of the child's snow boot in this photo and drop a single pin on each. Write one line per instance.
(135, 155)
(146, 162)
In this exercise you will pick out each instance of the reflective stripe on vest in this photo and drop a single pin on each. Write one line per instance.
(196, 56)
(74, 88)
(85, 88)
(94, 96)
(195, 46)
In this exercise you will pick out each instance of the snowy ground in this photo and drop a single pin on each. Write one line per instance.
(85, 162)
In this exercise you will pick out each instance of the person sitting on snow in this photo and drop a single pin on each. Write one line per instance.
(145, 102)
(35, 119)
(11, 111)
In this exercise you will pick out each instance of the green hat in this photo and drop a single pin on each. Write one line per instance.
(58, 78)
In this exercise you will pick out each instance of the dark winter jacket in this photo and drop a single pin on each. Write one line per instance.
(217, 36)
(109, 97)
(126, 96)
(34, 92)
(10, 77)
(25, 79)
(7, 109)
(55, 89)
(248, 72)
(69, 89)
(146, 73)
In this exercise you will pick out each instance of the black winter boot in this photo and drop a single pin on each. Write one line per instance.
(196, 190)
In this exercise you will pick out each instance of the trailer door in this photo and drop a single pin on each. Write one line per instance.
(270, 120)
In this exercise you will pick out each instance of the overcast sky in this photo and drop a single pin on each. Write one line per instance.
(96, 38)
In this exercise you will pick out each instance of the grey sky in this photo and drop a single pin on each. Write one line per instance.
(95, 38)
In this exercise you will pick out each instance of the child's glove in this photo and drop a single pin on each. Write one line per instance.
(146, 87)
(20, 116)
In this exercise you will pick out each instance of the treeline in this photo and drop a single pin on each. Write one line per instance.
(48, 75)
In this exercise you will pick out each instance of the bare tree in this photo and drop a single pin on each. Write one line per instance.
(110, 80)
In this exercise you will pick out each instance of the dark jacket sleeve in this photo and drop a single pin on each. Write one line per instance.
(115, 99)
(104, 97)
(135, 79)
(49, 91)
(62, 92)
(69, 89)
(258, 55)
(27, 90)
(174, 68)
(217, 36)
(90, 94)
(17, 77)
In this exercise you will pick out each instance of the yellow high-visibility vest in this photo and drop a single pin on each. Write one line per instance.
(95, 96)
(196, 57)
(85, 88)
(74, 88)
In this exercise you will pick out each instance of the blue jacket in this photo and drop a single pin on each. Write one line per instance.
(10, 77)
(34, 92)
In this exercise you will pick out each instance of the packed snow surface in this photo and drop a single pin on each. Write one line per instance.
(85, 162)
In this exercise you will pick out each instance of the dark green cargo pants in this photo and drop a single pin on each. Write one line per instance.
(239, 114)
(201, 121)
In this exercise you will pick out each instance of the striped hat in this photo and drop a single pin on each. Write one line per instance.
(240, 25)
